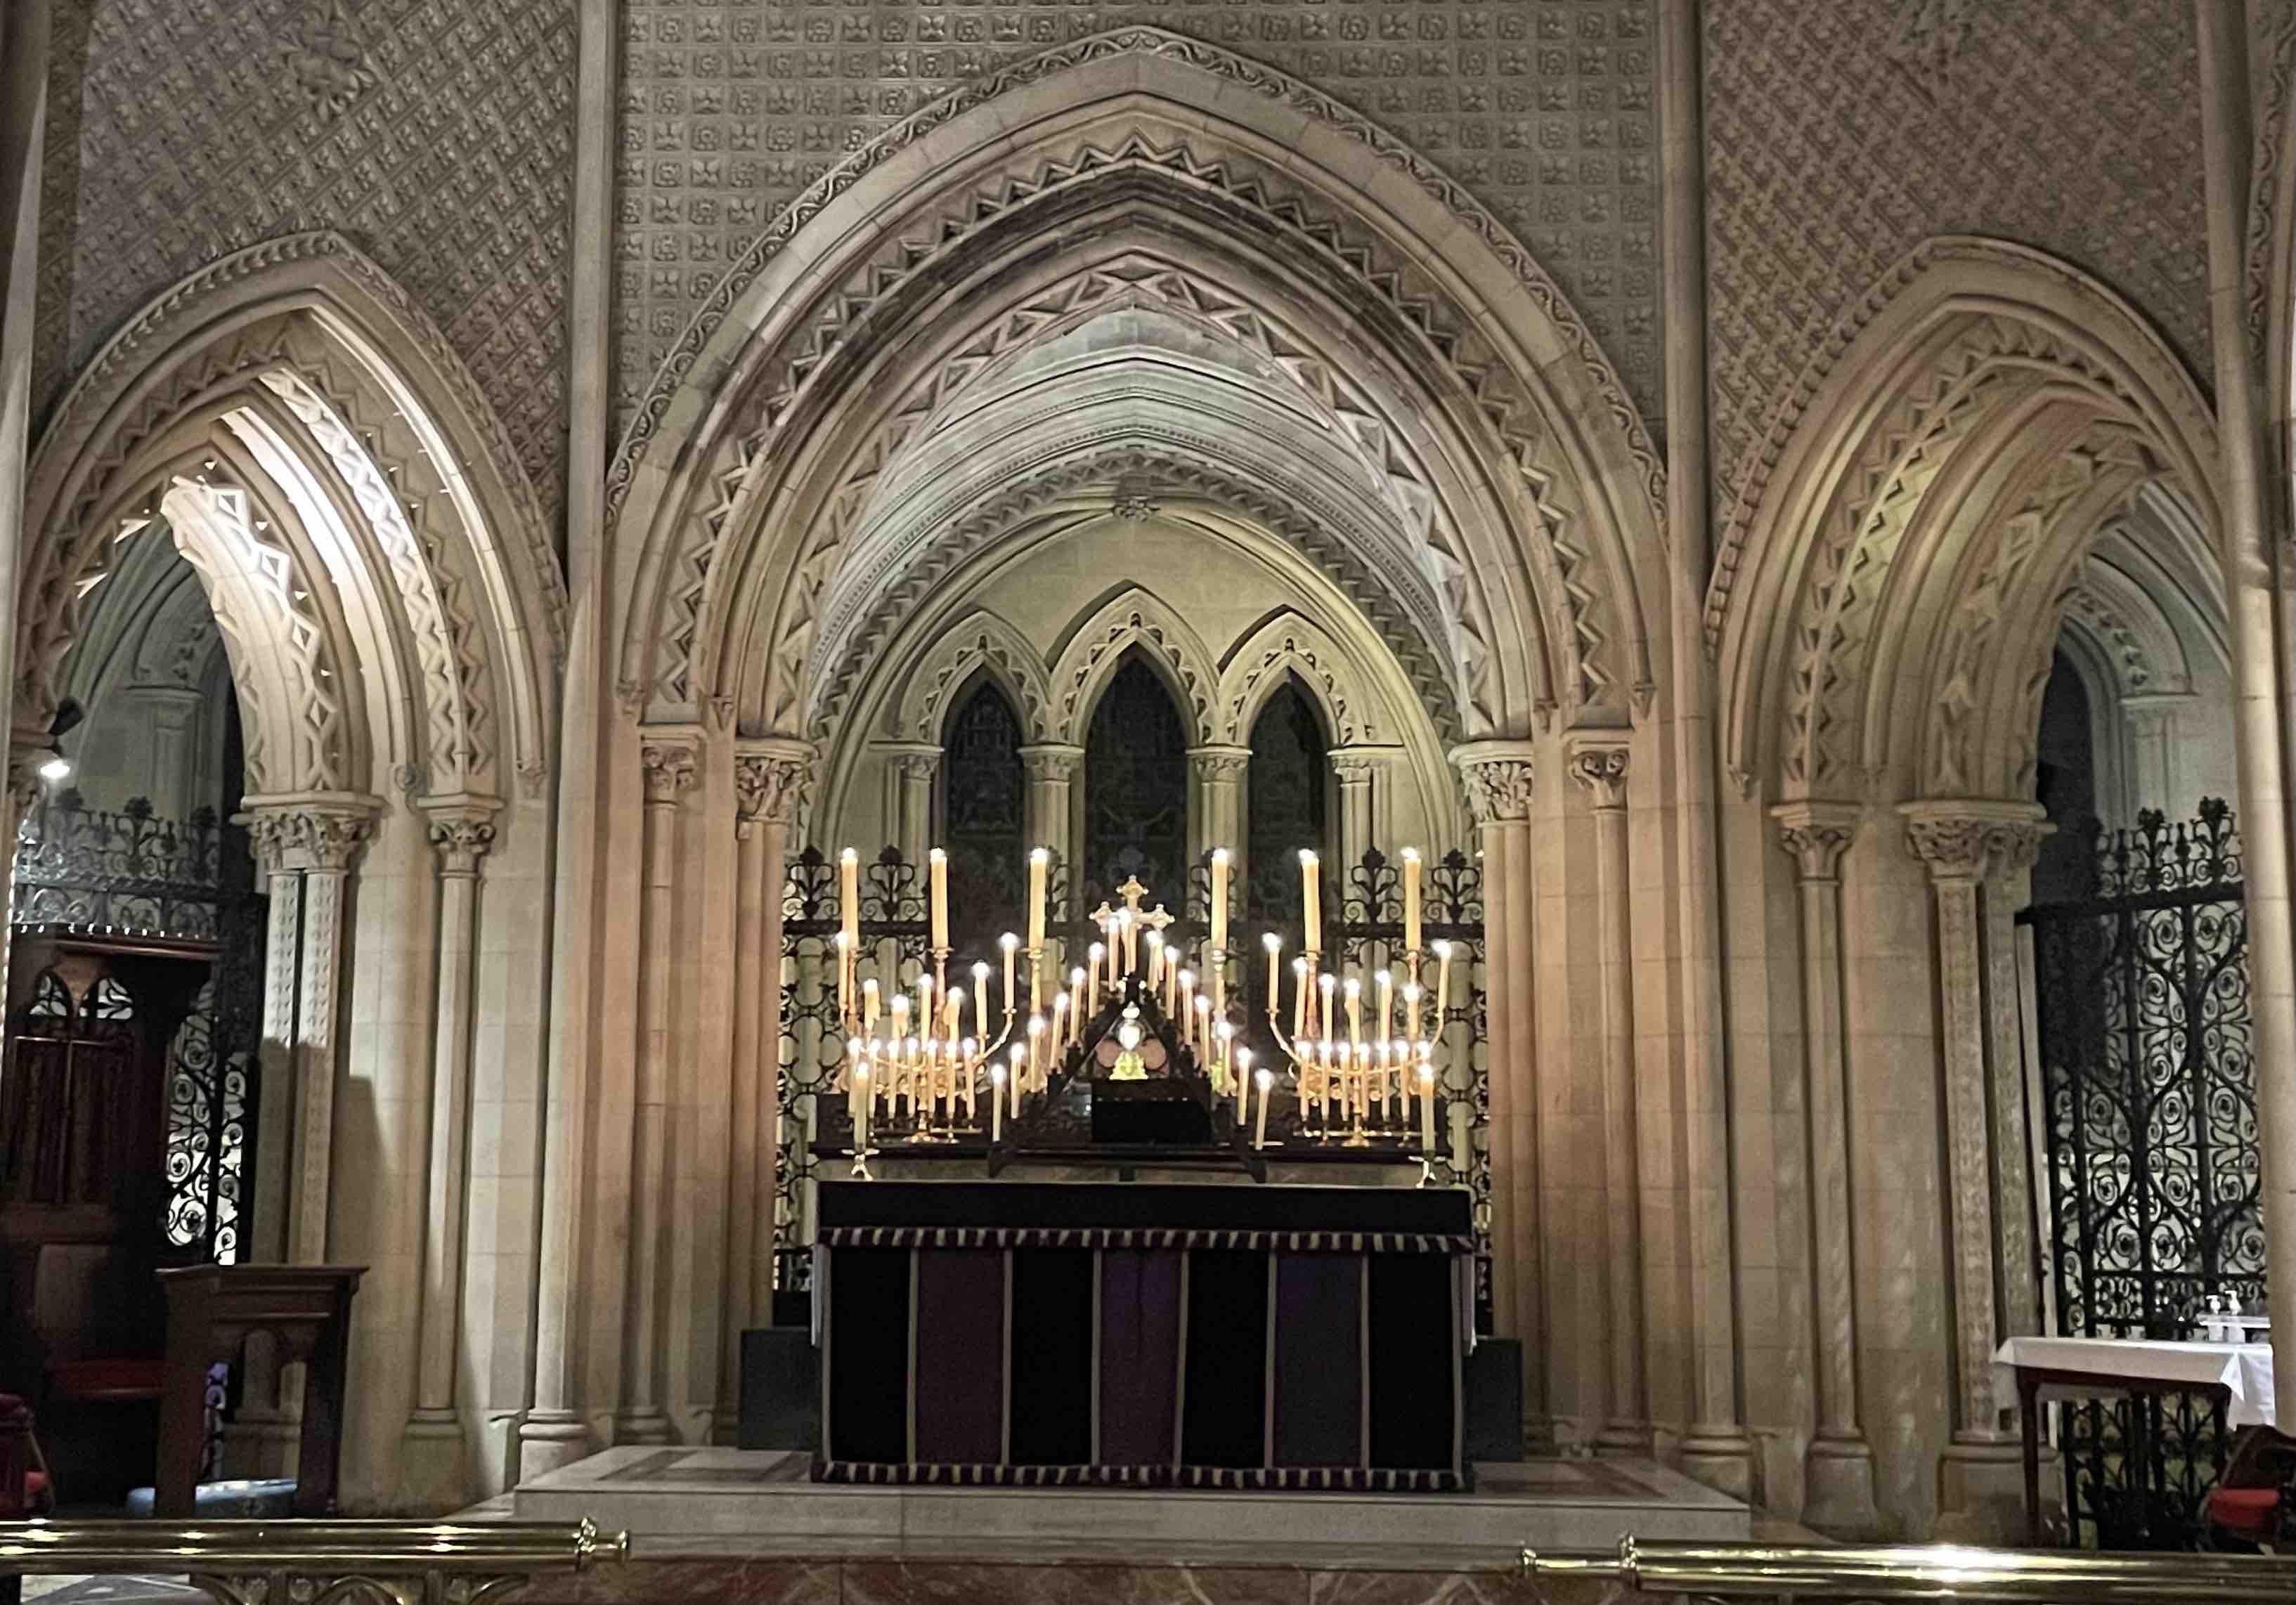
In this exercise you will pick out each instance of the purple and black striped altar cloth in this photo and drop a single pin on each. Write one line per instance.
(1114, 1335)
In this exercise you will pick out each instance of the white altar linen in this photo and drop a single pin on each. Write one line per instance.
(2244, 1369)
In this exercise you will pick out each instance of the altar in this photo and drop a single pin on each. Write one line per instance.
(1140, 1336)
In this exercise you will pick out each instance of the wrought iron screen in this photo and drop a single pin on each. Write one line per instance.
(2149, 1088)
(130, 871)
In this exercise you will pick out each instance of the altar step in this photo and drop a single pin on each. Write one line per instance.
(676, 1500)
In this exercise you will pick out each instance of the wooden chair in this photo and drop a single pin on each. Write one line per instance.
(2254, 1502)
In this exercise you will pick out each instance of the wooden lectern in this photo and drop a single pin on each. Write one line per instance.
(212, 1310)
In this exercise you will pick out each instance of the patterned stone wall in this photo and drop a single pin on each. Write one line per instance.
(436, 135)
(1841, 134)
(1544, 109)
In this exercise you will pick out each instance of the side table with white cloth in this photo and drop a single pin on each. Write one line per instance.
(2237, 1376)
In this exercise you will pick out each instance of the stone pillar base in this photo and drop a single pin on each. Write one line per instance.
(1724, 1460)
(432, 1469)
(551, 1439)
(646, 1424)
(1838, 1490)
(261, 1444)
(1981, 1492)
(1625, 1437)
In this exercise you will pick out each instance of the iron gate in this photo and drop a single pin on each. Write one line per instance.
(2149, 1091)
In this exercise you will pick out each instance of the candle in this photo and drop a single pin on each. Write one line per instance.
(1039, 860)
(1203, 1024)
(1259, 1132)
(861, 1109)
(980, 1000)
(951, 1014)
(1062, 1028)
(1018, 1050)
(936, 886)
(1035, 1051)
(1008, 941)
(1299, 990)
(1442, 986)
(996, 1103)
(913, 1060)
(1220, 899)
(844, 976)
(1355, 1011)
(1171, 980)
(1411, 1010)
(1327, 986)
(869, 1003)
(1386, 1004)
(1311, 910)
(1156, 965)
(1274, 946)
(1187, 1005)
(1427, 1106)
(1092, 979)
(848, 894)
(968, 1059)
(1242, 1083)
(1411, 899)
(1076, 1005)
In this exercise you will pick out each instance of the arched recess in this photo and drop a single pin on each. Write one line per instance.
(384, 583)
(1133, 626)
(319, 388)
(1288, 645)
(980, 644)
(1512, 459)
(1886, 599)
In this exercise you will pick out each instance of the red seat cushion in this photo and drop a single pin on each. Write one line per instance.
(2250, 1513)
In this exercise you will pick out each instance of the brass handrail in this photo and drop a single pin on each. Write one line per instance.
(404, 1562)
(1925, 1571)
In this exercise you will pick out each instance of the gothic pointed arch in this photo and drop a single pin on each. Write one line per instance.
(302, 375)
(1415, 330)
(1290, 646)
(980, 644)
(1886, 598)
(1132, 626)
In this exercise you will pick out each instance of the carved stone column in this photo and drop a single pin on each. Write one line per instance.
(1216, 804)
(1363, 776)
(769, 781)
(1837, 1495)
(910, 770)
(313, 839)
(431, 1474)
(1051, 768)
(1956, 839)
(2013, 848)
(1498, 776)
(1598, 762)
(669, 771)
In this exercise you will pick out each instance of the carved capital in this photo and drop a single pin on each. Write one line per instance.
(1219, 762)
(462, 839)
(1598, 762)
(1816, 834)
(670, 770)
(1499, 776)
(1357, 765)
(1970, 839)
(770, 785)
(1052, 760)
(313, 833)
(918, 762)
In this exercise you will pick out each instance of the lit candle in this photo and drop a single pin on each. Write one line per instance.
(1036, 1051)
(952, 1012)
(1039, 861)
(1411, 899)
(1274, 946)
(1061, 1029)
(1427, 1105)
(1326, 987)
(1187, 1003)
(1311, 909)
(1299, 990)
(996, 1103)
(1092, 979)
(1259, 1132)
(848, 895)
(1411, 1010)
(1076, 1005)
(1242, 1083)
(1223, 1041)
(869, 1003)
(1386, 1004)
(861, 1109)
(1442, 986)
(980, 1000)
(1355, 1011)
(1203, 1025)
(844, 976)
(1220, 899)
(1156, 965)
(936, 886)
(1018, 1050)
(1008, 941)
(968, 1059)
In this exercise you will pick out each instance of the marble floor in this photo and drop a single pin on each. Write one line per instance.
(696, 1501)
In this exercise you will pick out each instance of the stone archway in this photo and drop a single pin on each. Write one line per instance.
(382, 576)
